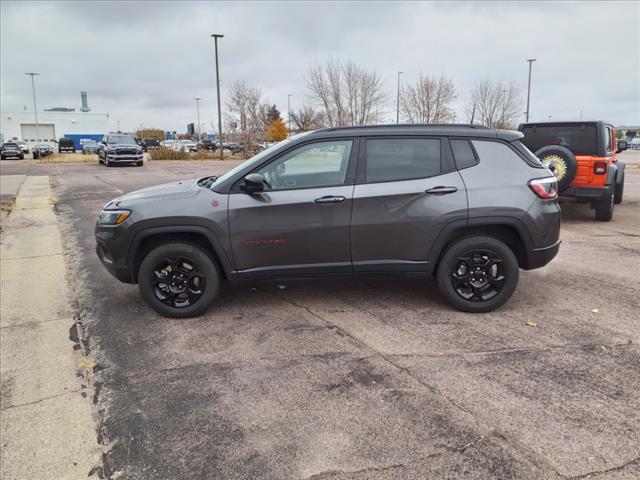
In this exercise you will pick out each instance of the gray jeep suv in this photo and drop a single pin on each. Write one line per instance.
(466, 204)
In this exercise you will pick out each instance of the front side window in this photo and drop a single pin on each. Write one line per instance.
(320, 164)
(394, 159)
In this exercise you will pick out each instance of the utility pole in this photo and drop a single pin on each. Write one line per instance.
(398, 101)
(197, 99)
(35, 106)
(289, 114)
(216, 36)
(530, 60)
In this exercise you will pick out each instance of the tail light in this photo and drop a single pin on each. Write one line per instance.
(600, 168)
(545, 188)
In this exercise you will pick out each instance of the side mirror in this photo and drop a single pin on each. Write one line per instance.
(622, 145)
(253, 183)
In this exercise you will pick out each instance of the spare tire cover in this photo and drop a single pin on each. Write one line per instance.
(561, 162)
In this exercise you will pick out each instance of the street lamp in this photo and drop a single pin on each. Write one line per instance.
(398, 100)
(216, 36)
(35, 107)
(289, 114)
(530, 60)
(197, 99)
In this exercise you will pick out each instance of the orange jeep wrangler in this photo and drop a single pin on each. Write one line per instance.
(582, 156)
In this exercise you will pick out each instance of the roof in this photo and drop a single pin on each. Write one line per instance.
(560, 123)
(445, 129)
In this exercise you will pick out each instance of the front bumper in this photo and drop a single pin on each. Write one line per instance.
(125, 158)
(124, 273)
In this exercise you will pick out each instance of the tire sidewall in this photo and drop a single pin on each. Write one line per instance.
(205, 264)
(567, 157)
(619, 190)
(479, 242)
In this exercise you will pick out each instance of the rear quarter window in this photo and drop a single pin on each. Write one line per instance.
(496, 153)
(463, 154)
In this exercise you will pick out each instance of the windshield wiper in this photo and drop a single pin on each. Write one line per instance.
(206, 182)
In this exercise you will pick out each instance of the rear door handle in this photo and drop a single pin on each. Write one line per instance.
(330, 199)
(440, 190)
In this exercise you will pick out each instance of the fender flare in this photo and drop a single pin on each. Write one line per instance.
(210, 236)
(611, 174)
(619, 176)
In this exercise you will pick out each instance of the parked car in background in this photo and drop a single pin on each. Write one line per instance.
(66, 145)
(207, 145)
(634, 143)
(468, 205)
(583, 157)
(11, 150)
(23, 146)
(89, 146)
(42, 150)
(187, 145)
(167, 144)
(150, 144)
(116, 148)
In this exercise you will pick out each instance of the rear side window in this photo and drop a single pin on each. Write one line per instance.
(496, 153)
(463, 153)
(393, 159)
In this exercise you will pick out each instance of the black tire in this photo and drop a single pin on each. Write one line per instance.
(604, 208)
(1, 157)
(561, 162)
(484, 261)
(21, 157)
(36, 155)
(619, 190)
(184, 254)
(107, 163)
(139, 164)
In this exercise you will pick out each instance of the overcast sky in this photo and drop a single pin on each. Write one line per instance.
(144, 62)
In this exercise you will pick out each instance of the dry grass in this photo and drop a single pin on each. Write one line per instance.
(69, 158)
(169, 154)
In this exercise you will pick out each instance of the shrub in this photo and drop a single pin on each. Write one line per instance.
(168, 154)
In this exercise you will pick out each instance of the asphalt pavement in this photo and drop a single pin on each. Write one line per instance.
(366, 379)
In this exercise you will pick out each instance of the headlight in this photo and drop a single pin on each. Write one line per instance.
(110, 152)
(113, 217)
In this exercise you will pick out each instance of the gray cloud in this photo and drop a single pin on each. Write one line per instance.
(144, 62)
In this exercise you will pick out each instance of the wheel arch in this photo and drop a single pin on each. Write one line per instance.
(511, 231)
(145, 240)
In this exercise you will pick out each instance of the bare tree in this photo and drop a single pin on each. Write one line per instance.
(496, 104)
(347, 93)
(429, 100)
(307, 119)
(243, 106)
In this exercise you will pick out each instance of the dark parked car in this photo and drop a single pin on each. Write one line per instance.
(119, 148)
(11, 150)
(42, 150)
(150, 144)
(66, 145)
(467, 205)
(207, 145)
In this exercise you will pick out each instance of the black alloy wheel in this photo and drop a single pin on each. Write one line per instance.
(179, 279)
(177, 282)
(477, 273)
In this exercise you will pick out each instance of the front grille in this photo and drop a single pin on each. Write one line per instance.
(126, 151)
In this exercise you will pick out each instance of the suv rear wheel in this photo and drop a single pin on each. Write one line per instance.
(604, 207)
(477, 274)
(179, 280)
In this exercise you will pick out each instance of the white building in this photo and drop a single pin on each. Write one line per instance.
(52, 126)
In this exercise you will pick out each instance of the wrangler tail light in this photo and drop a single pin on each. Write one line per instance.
(545, 188)
(600, 168)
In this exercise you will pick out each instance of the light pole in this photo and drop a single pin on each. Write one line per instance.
(289, 114)
(216, 36)
(197, 99)
(398, 100)
(35, 106)
(530, 60)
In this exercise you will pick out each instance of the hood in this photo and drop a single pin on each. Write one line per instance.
(167, 191)
(122, 145)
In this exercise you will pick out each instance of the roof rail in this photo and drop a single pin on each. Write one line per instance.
(407, 125)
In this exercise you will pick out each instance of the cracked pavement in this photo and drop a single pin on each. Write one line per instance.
(370, 379)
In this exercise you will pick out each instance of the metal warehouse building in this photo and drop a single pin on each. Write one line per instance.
(53, 125)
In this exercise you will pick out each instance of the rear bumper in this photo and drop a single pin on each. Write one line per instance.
(539, 257)
(586, 192)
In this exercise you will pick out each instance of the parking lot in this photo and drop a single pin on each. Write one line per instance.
(367, 379)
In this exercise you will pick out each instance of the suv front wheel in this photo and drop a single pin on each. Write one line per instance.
(477, 274)
(179, 280)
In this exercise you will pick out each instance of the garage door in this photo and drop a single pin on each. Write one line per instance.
(46, 132)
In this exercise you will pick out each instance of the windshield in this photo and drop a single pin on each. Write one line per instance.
(121, 139)
(580, 139)
(258, 157)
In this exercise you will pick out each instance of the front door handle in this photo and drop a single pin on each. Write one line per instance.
(330, 199)
(440, 190)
